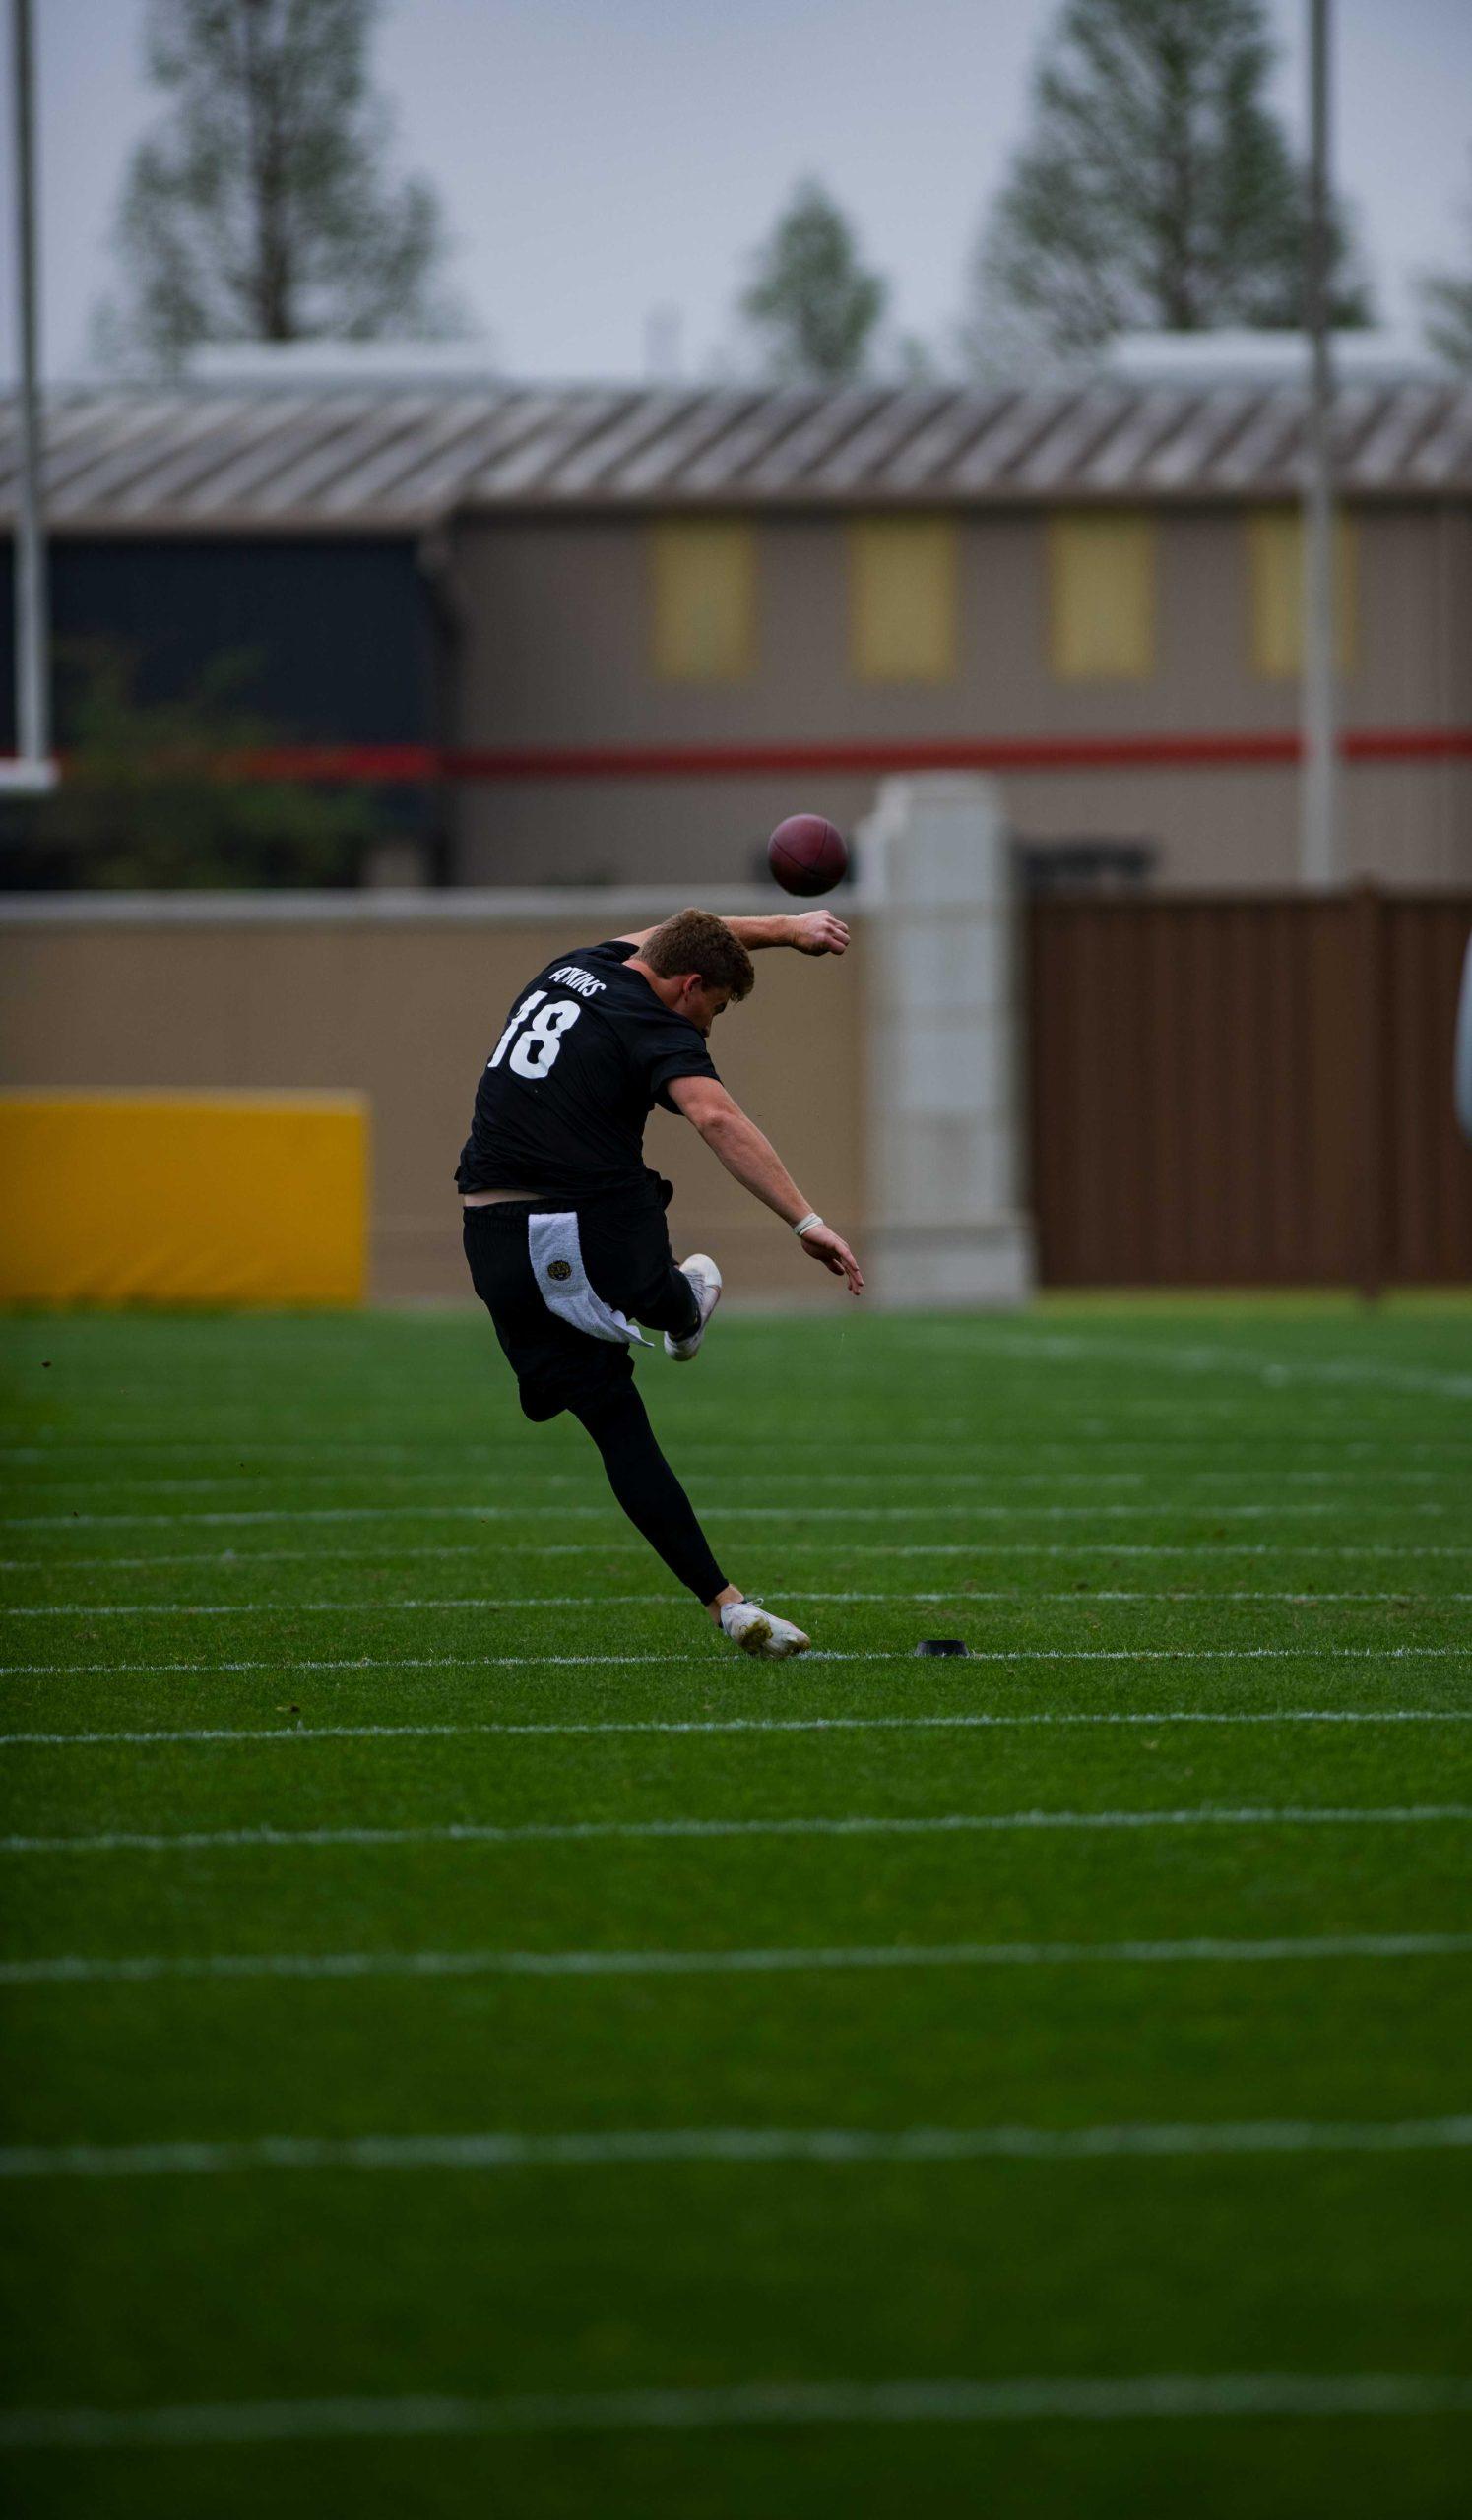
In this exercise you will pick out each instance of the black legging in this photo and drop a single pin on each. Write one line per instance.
(646, 1488)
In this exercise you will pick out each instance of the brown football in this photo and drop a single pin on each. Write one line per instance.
(808, 854)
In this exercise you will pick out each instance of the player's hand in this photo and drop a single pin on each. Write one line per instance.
(818, 932)
(822, 1244)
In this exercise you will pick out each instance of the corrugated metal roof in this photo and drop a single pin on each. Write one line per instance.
(393, 458)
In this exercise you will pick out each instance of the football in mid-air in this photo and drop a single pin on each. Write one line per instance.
(808, 854)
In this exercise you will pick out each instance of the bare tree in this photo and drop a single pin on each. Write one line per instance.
(259, 208)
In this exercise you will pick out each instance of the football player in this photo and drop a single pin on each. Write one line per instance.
(564, 1222)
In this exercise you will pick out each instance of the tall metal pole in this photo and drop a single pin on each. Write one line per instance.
(1319, 838)
(32, 674)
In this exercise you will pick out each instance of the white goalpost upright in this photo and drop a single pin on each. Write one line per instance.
(1320, 855)
(31, 769)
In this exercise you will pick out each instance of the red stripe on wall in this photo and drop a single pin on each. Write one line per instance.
(707, 761)
(384, 765)
(423, 765)
(1246, 751)
(1408, 743)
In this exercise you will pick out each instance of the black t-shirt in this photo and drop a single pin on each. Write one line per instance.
(587, 1052)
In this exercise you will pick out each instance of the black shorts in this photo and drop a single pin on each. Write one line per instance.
(625, 1250)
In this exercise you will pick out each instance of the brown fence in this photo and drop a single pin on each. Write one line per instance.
(1248, 1093)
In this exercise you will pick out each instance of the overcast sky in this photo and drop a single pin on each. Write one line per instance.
(602, 159)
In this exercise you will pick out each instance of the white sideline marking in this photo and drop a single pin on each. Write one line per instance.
(78, 1968)
(1091, 1510)
(658, 1600)
(835, 2145)
(326, 1554)
(892, 1654)
(244, 2422)
(741, 1724)
(849, 1825)
(897, 1653)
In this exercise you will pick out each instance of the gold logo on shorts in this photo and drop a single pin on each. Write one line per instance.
(559, 1271)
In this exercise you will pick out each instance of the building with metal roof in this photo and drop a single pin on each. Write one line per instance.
(325, 450)
(608, 632)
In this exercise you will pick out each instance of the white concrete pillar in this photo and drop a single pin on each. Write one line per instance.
(945, 1157)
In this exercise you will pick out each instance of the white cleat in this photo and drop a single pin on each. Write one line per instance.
(705, 1278)
(762, 1632)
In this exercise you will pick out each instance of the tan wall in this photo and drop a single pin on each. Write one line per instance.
(1404, 823)
(1407, 824)
(407, 1013)
(556, 650)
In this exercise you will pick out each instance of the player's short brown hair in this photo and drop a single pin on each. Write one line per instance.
(696, 940)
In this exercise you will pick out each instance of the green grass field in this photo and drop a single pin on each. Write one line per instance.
(477, 2045)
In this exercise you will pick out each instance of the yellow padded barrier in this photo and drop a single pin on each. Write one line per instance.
(163, 1198)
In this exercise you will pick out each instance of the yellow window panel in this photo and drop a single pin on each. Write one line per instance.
(1275, 562)
(902, 598)
(704, 579)
(1101, 583)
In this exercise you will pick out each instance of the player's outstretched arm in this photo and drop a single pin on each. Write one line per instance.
(809, 931)
(752, 1159)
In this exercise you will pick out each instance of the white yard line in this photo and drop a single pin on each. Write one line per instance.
(827, 2146)
(61, 1560)
(477, 1601)
(791, 1507)
(972, 1592)
(1215, 2396)
(1071, 1348)
(231, 1557)
(945, 1474)
(854, 1825)
(659, 1601)
(365, 1609)
(953, 1438)
(308, 1732)
(714, 1660)
(77, 1969)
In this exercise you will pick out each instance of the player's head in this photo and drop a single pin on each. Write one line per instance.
(697, 952)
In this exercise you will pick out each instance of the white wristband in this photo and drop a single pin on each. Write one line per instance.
(805, 1225)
